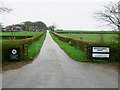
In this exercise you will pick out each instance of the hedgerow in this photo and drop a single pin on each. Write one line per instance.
(79, 43)
(6, 45)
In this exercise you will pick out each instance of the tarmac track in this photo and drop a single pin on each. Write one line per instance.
(53, 68)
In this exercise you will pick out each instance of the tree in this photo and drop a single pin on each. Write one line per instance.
(111, 15)
(30, 25)
(27, 24)
(1, 26)
(52, 27)
(40, 25)
(4, 9)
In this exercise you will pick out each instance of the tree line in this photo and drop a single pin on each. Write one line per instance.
(29, 26)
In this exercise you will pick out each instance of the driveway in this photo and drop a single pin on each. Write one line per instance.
(53, 68)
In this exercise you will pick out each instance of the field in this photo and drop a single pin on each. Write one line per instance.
(20, 33)
(83, 31)
(36, 41)
(75, 48)
(73, 52)
(94, 37)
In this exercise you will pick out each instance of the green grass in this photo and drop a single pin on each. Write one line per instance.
(18, 33)
(82, 31)
(94, 37)
(4, 40)
(35, 47)
(7, 39)
(73, 52)
(21, 33)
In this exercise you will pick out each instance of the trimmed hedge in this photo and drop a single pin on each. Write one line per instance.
(82, 44)
(61, 37)
(6, 45)
(16, 37)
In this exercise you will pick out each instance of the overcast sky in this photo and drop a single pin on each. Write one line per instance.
(66, 14)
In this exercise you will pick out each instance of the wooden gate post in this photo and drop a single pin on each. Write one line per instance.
(87, 52)
(21, 51)
(25, 46)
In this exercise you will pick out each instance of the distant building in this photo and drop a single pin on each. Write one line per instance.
(18, 28)
(11, 29)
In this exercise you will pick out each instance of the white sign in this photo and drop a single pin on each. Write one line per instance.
(101, 49)
(14, 51)
(99, 55)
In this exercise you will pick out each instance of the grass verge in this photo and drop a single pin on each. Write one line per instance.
(33, 51)
(35, 47)
(73, 52)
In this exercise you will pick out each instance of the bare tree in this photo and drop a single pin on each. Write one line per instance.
(5, 9)
(111, 15)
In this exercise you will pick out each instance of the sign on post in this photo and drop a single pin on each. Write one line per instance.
(14, 54)
(100, 52)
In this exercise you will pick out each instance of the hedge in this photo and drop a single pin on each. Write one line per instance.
(62, 38)
(82, 44)
(6, 45)
(16, 36)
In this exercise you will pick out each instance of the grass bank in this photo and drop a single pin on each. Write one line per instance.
(35, 47)
(73, 52)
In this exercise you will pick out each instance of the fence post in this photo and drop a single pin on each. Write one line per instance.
(87, 52)
(21, 51)
(25, 50)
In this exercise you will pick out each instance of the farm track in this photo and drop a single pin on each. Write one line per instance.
(55, 69)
